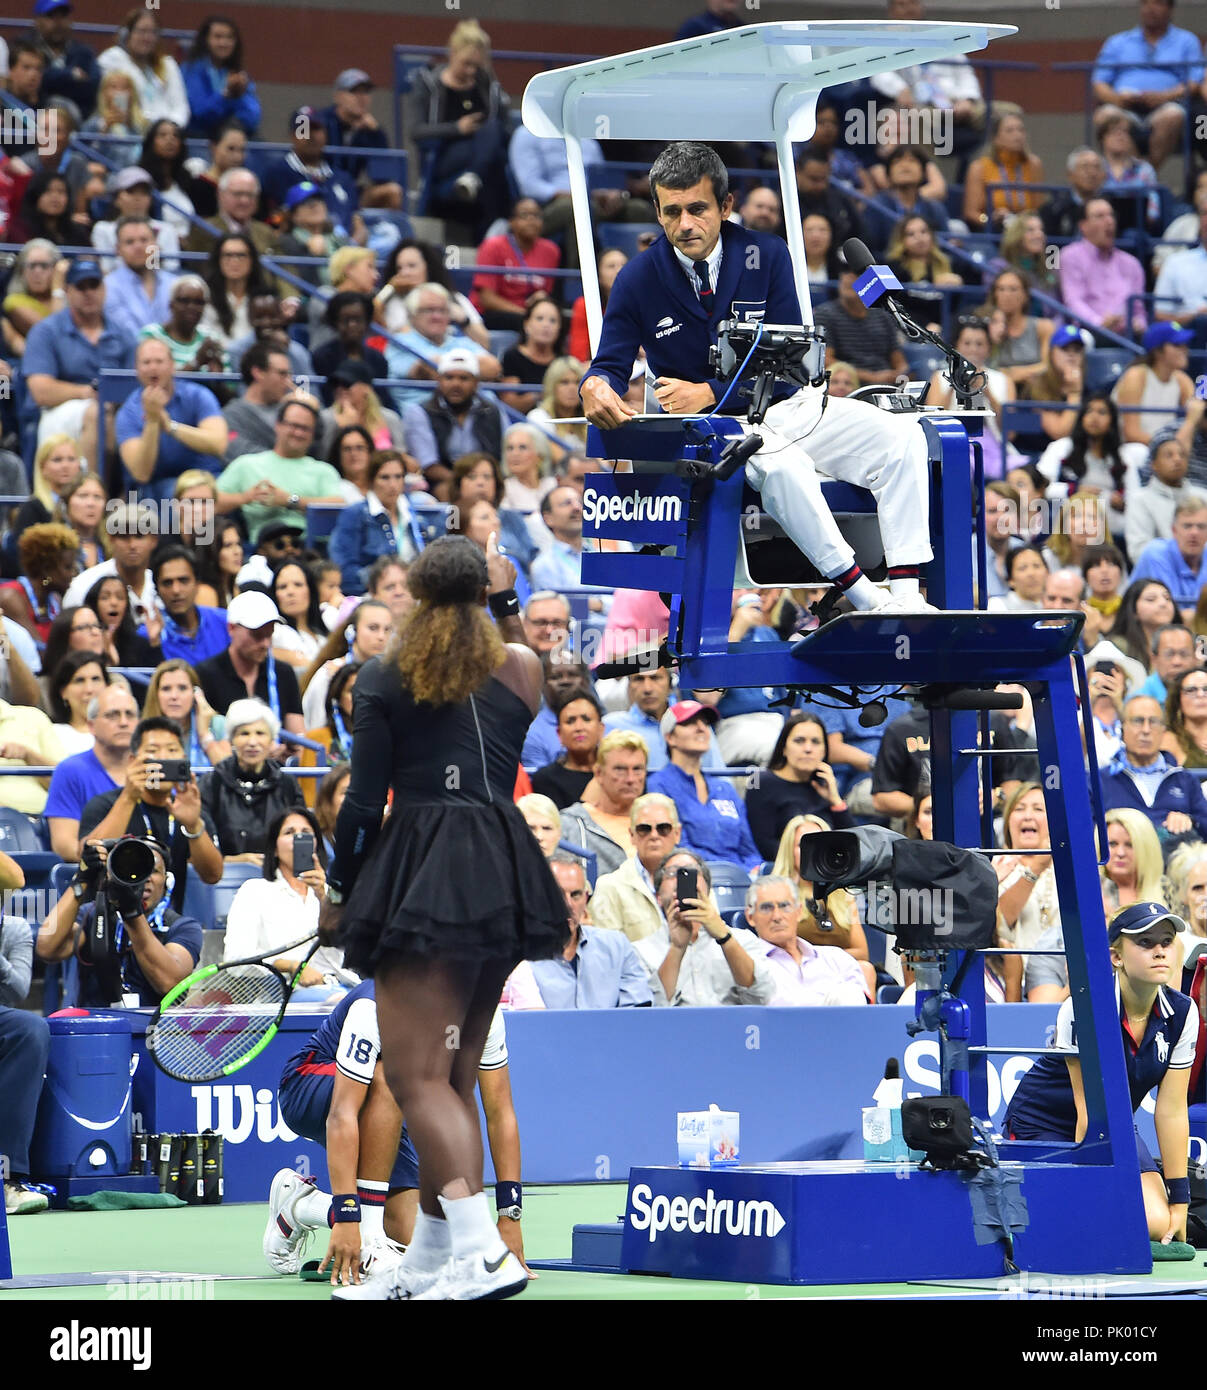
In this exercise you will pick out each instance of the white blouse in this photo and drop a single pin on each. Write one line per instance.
(268, 916)
(73, 740)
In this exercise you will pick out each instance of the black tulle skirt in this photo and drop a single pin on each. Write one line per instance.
(454, 882)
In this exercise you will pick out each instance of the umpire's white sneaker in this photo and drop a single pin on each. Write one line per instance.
(474, 1278)
(904, 603)
(285, 1240)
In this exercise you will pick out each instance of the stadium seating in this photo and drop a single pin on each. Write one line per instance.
(729, 884)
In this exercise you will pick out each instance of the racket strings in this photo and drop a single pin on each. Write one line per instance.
(218, 1022)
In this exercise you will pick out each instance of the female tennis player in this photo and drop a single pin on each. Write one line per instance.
(452, 893)
(1160, 1029)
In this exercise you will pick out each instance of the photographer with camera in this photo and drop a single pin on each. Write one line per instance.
(161, 799)
(147, 947)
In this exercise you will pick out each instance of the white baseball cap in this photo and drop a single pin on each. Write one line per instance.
(252, 610)
(460, 360)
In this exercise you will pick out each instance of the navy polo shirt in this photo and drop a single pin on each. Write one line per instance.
(1043, 1106)
(56, 347)
(190, 404)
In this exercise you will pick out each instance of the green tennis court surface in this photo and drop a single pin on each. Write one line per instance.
(111, 1250)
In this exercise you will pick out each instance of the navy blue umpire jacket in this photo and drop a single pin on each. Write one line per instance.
(653, 306)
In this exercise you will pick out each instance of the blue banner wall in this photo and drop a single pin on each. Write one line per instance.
(598, 1092)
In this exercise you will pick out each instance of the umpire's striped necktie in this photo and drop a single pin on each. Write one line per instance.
(706, 294)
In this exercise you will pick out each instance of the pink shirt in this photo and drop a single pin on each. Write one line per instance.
(505, 251)
(1096, 284)
(825, 975)
(638, 618)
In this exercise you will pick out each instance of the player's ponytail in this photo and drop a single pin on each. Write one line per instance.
(448, 646)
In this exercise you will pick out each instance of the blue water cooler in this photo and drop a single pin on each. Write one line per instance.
(82, 1137)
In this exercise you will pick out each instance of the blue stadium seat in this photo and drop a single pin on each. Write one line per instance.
(729, 884)
(198, 899)
(320, 522)
(21, 833)
(234, 876)
(923, 360)
(61, 981)
(877, 945)
(889, 994)
(1104, 367)
(622, 236)
(735, 919)
(501, 339)
(432, 516)
(590, 862)
(386, 229)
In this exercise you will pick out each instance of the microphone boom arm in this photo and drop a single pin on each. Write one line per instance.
(966, 380)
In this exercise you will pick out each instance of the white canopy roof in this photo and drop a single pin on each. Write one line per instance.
(750, 83)
(757, 83)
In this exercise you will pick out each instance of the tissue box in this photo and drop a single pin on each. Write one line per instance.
(883, 1141)
(708, 1138)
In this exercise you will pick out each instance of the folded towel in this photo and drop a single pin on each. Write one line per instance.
(124, 1201)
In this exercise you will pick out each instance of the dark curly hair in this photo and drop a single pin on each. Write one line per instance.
(448, 646)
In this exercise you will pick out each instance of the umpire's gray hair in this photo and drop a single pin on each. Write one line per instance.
(752, 893)
(683, 164)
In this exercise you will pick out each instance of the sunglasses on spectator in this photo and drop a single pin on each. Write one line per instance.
(664, 827)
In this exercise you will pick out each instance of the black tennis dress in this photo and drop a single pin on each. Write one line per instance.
(455, 871)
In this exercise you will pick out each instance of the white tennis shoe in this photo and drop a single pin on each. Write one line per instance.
(285, 1240)
(474, 1278)
(904, 603)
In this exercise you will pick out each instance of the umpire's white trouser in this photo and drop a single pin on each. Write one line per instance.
(859, 444)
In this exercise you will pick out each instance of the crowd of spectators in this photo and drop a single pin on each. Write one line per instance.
(170, 594)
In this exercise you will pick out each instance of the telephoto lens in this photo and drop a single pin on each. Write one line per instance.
(131, 861)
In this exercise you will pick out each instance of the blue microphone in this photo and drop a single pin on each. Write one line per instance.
(878, 284)
(875, 281)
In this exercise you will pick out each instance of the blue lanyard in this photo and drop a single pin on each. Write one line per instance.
(197, 756)
(154, 921)
(54, 604)
(273, 698)
(341, 745)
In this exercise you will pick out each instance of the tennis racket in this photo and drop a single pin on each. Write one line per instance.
(222, 1016)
